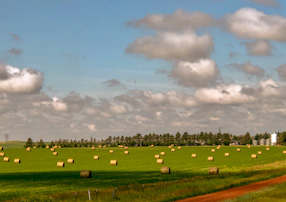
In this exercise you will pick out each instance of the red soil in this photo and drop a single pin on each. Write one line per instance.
(235, 192)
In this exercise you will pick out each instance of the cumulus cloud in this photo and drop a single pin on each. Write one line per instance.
(179, 20)
(198, 74)
(272, 3)
(91, 127)
(281, 70)
(249, 69)
(171, 46)
(223, 94)
(259, 48)
(55, 104)
(14, 80)
(252, 24)
(269, 88)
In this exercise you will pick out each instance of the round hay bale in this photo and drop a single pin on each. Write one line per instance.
(113, 162)
(85, 174)
(165, 170)
(99, 146)
(71, 161)
(2, 154)
(173, 150)
(55, 147)
(284, 152)
(152, 145)
(160, 161)
(28, 149)
(59, 146)
(157, 156)
(213, 170)
(218, 147)
(93, 148)
(248, 146)
(104, 146)
(179, 147)
(194, 155)
(111, 151)
(259, 152)
(17, 161)
(162, 153)
(267, 149)
(170, 147)
(1, 148)
(210, 158)
(213, 150)
(126, 152)
(6, 159)
(96, 157)
(253, 156)
(34, 147)
(238, 149)
(55, 153)
(126, 147)
(226, 154)
(52, 149)
(47, 147)
(60, 164)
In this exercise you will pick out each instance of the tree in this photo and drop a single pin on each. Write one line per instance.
(29, 143)
(41, 144)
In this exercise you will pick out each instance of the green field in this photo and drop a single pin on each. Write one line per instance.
(38, 174)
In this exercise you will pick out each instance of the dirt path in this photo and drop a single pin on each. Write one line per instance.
(235, 192)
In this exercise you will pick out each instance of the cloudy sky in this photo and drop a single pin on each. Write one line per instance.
(73, 69)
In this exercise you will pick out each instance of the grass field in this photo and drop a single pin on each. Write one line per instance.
(38, 176)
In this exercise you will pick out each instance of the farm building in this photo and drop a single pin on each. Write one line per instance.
(234, 142)
(268, 141)
(254, 142)
(273, 139)
(262, 142)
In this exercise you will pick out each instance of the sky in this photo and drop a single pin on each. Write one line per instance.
(79, 69)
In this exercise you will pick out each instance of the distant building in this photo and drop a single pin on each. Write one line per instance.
(254, 142)
(273, 139)
(268, 141)
(234, 142)
(262, 142)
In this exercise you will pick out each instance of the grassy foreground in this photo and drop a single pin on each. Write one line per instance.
(38, 177)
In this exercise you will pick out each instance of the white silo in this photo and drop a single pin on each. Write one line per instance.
(273, 139)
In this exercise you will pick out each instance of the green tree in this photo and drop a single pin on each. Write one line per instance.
(29, 143)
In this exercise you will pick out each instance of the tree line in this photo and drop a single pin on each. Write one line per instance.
(184, 139)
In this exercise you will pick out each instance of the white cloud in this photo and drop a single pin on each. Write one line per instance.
(197, 74)
(269, 88)
(281, 70)
(259, 48)
(55, 104)
(14, 80)
(249, 69)
(186, 46)
(179, 20)
(91, 127)
(118, 108)
(252, 24)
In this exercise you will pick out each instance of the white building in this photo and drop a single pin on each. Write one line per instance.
(273, 139)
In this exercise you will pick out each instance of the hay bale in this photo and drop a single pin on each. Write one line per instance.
(165, 170)
(248, 146)
(55, 147)
(259, 152)
(47, 147)
(6, 159)
(104, 146)
(160, 161)
(218, 147)
(238, 149)
(173, 150)
(284, 152)
(96, 157)
(170, 147)
(17, 161)
(28, 149)
(1, 148)
(267, 149)
(71, 161)
(113, 162)
(60, 164)
(59, 146)
(2, 154)
(253, 156)
(226, 154)
(52, 149)
(34, 147)
(93, 148)
(157, 156)
(194, 155)
(213, 150)
(210, 158)
(126, 152)
(213, 170)
(85, 174)
(179, 147)
(162, 153)
(55, 153)
(99, 146)
(111, 151)
(126, 147)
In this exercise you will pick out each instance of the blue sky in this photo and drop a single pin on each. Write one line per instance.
(88, 48)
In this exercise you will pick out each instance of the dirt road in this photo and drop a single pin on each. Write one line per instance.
(235, 192)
